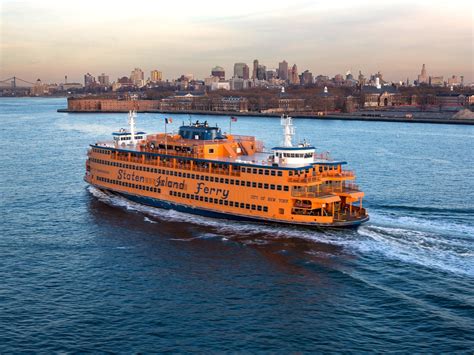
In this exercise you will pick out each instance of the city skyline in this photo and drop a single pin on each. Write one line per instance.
(394, 37)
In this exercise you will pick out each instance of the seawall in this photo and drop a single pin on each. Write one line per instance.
(342, 117)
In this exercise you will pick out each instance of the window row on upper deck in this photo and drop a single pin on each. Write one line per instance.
(294, 155)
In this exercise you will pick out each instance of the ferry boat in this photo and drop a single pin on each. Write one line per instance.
(203, 171)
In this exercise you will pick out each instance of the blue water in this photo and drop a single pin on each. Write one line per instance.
(81, 271)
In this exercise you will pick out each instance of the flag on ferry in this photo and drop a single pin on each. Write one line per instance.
(233, 119)
(168, 120)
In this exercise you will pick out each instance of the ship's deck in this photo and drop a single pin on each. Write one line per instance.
(261, 159)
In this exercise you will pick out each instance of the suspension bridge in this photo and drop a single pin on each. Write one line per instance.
(15, 83)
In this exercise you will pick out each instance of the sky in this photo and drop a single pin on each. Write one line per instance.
(49, 39)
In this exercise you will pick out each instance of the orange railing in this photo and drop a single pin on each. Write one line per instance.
(320, 177)
(176, 165)
(318, 191)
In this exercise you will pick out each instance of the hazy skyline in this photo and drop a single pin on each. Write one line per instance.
(50, 39)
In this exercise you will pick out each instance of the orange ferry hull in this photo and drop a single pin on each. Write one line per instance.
(157, 203)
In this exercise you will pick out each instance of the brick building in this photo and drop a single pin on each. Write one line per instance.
(110, 105)
(373, 96)
(231, 103)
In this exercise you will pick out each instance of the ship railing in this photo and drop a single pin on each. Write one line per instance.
(322, 156)
(169, 163)
(350, 187)
(303, 179)
(348, 213)
(318, 191)
(343, 173)
(238, 137)
(319, 177)
(306, 194)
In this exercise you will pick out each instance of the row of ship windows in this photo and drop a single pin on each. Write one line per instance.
(246, 170)
(290, 172)
(261, 171)
(243, 169)
(195, 176)
(294, 155)
(128, 184)
(247, 206)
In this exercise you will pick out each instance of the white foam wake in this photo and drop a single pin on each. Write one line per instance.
(414, 240)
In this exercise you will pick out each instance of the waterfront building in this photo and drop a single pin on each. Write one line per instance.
(89, 80)
(230, 103)
(452, 100)
(283, 70)
(218, 72)
(109, 105)
(156, 76)
(137, 77)
(103, 80)
(286, 103)
(380, 96)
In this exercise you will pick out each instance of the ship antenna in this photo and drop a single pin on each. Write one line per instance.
(132, 115)
(288, 130)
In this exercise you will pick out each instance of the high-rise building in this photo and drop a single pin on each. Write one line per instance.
(137, 77)
(88, 80)
(306, 78)
(261, 72)
(423, 77)
(103, 79)
(219, 72)
(293, 75)
(271, 74)
(255, 69)
(240, 69)
(361, 78)
(283, 70)
(156, 76)
(246, 72)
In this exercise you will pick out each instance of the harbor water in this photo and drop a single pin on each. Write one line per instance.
(81, 271)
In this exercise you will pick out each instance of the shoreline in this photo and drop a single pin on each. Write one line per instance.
(299, 116)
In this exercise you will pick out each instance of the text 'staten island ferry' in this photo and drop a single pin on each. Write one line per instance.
(200, 170)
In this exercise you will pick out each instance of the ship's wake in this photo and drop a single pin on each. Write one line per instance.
(446, 246)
